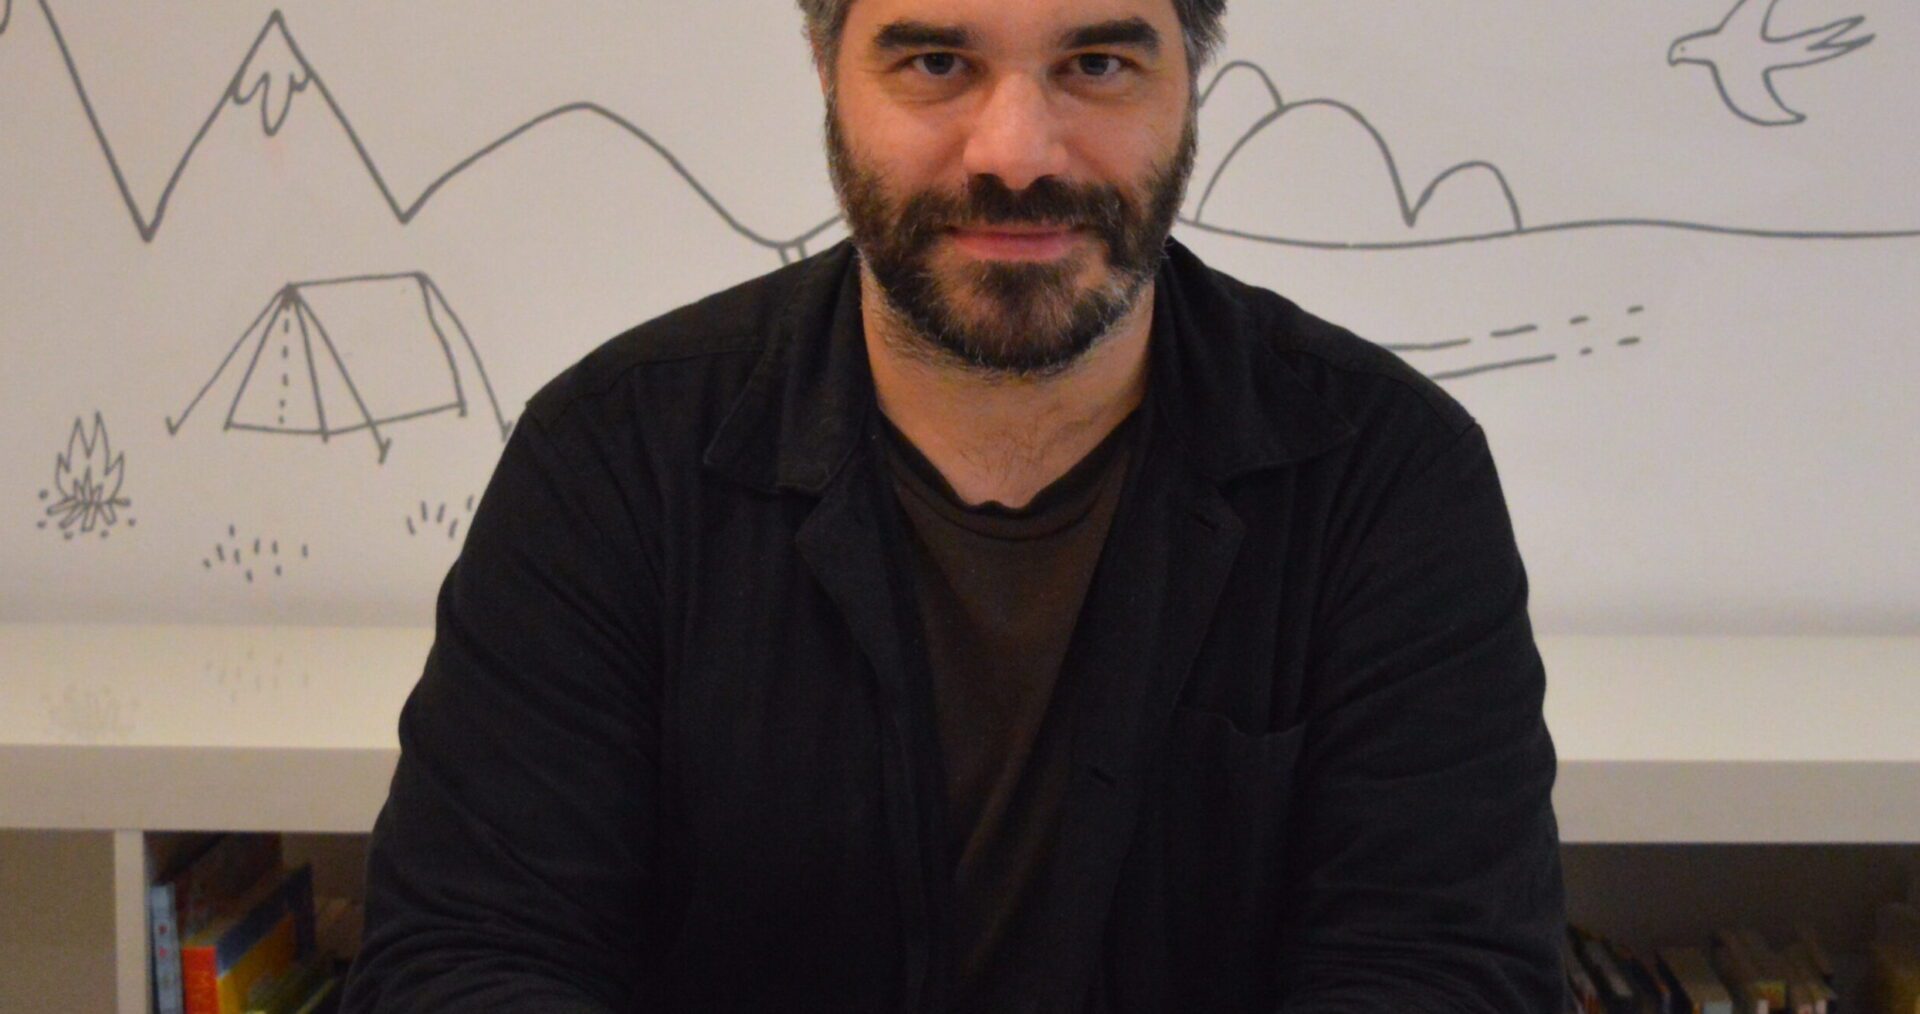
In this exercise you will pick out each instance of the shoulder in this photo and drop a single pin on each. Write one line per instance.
(1396, 417)
(1356, 377)
(716, 338)
(707, 335)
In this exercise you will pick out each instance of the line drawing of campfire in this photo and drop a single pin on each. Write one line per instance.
(88, 477)
(385, 359)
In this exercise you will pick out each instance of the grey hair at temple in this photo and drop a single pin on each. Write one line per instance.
(1200, 19)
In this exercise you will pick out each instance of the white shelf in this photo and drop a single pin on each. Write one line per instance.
(215, 728)
(294, 729)
(1739, 739)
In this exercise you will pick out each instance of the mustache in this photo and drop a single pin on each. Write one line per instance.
(1047, 202)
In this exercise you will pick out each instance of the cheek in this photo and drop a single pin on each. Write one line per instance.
(1123, 151)
(914, 152)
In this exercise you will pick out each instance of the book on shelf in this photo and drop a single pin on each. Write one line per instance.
(1753, 991)
(1651, 995)
(1616, 994)
(1696, 987)
(1585, 998)
(1804, 939)
(337, 926)
(300, 987)
(190, 887)
(261, 937)
(1894, 982)
(1808, 990)
(1894, 977)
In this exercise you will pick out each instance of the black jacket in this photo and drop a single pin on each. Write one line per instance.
(673, 748)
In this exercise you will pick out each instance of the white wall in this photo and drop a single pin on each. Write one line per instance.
(1690, 335)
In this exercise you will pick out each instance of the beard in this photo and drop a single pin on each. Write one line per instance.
(1034, 319)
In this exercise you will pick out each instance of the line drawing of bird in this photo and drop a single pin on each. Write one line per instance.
(1743, 57)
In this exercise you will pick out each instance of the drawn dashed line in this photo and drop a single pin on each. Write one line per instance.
(1430, 346)
(1487, 367)
(1510, 332)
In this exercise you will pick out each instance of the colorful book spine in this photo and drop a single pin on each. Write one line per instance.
(249, 941)
(168, 997)
(272, 956)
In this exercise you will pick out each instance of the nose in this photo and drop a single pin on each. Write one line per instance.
(1016, 135)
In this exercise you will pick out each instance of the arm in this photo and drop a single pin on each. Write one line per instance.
(510, 869)
(1426, 849)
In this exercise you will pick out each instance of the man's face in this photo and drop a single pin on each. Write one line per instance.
(1010, 169)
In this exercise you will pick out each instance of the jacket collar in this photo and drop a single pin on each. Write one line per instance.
(1218, 383)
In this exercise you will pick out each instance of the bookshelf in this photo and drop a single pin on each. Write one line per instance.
(1665, 743)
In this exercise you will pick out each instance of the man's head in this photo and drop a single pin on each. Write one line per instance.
(1010, 169)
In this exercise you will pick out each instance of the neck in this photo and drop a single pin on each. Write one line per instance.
(1002, 438)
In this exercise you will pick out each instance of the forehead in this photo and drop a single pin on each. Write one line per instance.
(1006, 23)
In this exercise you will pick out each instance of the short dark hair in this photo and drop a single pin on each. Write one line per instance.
(1200, 19)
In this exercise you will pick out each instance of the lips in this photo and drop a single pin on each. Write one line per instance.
(1013, 242)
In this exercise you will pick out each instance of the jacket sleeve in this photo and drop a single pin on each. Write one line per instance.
(510, 869)
(1424, 848)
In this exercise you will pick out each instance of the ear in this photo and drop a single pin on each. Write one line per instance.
(820, 65)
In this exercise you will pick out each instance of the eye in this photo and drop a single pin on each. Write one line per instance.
(937, 65)
(1099, 65)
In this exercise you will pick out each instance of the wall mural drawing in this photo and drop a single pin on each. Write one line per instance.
(275, 71)
(1500, 216)
(87, 477)
(434, 519)
(386, 360)
(1577, 334)
(1629, 282)
(1743, 56)
(246, 556)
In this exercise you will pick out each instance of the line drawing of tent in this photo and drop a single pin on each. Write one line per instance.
(337, 355)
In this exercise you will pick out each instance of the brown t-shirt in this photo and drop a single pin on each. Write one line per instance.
(1000, 590)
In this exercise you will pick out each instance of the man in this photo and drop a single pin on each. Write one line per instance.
(1000, 612)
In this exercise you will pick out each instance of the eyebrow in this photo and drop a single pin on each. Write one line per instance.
(1135, 32)
(921, 35)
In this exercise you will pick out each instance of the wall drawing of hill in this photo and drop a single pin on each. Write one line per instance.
(1321, 176)
(273, 74)
(1335, 168)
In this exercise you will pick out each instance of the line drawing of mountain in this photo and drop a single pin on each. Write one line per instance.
(405, 385)
(1411, 210)
(6, 14)
(274, 58)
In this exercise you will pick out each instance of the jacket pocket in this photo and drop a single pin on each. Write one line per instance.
(1225, 796)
